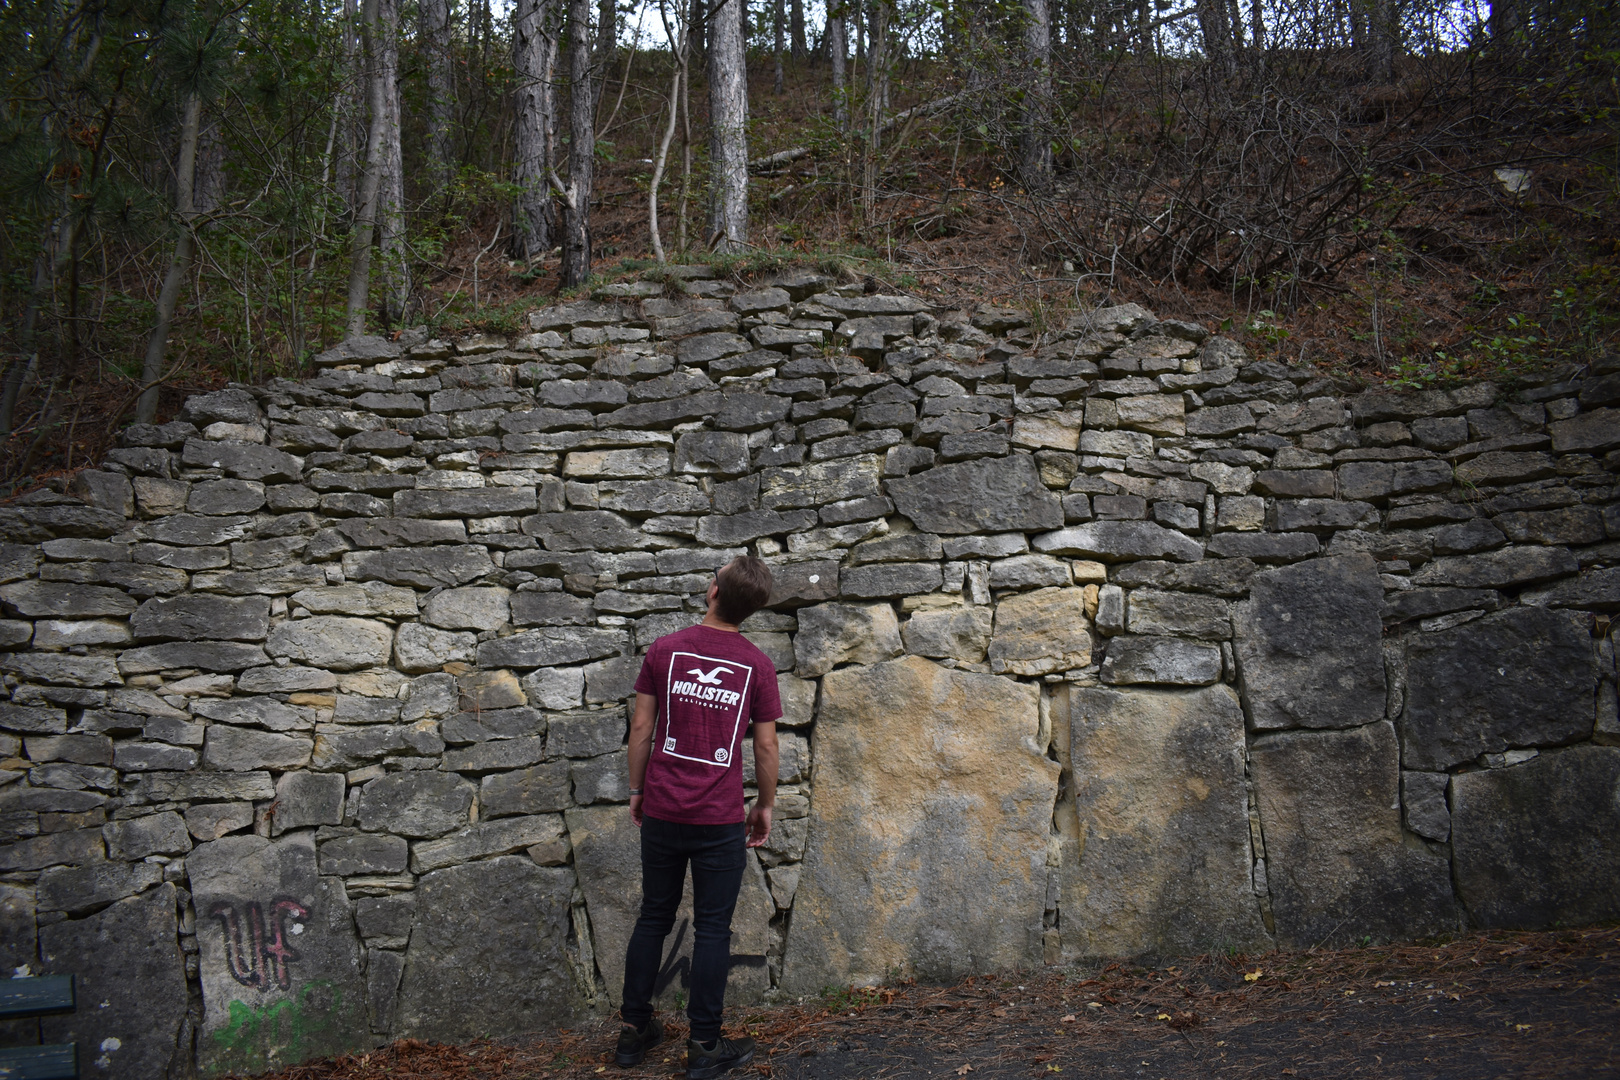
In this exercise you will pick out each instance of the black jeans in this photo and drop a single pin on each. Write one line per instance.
(718, 856)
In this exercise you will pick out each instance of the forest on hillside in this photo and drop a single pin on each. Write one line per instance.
(196, 191)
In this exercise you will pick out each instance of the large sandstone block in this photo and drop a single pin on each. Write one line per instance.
(961, 632)
(280, 964)
(607, 854)
(1535, 843)
(988, 495)
(833, 634)
(126, 959)
(1162, 862)
(201, 617)
(928, 831)
(502, 959)
(1308, 644)
(1121, 541)
(1041, 632)
(1336, 862)
(1521, 677)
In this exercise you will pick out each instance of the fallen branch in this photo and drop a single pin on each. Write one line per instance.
(774, 162)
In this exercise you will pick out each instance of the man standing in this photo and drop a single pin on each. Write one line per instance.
(698, 692)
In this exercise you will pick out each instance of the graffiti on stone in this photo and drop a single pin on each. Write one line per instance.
(257, 951)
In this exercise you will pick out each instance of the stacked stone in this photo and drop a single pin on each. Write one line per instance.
(1104, 637)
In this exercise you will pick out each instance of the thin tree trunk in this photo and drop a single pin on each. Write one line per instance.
(780, 45)
(391, 208)
(1382, 30)
(796, 31)
(728, 127)
(576, 244)
(185, 176)
(677, 49)
(1216, 32)
(1257, 25)
(1037, 148)
(877, 78)
(838, 55)
(435, 32)
(351, 108)
(371, 179)
(534, 56)
(686, 145)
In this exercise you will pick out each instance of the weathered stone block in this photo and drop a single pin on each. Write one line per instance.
(1117, 541)
(332, 641)
(364, 853)
(127, 960)
(307, 798)
(1534, 843)
(1423, 803)
(56, 600)
(1522, 677)
(155, 834)
(979, 830)
(210, 821)
(503, 960)
(585, 733)
(889, 579)
(1335, 861)
(552, 646)
(276, 939)
(234, 749)
(1185, 614)
(960, 633)
(487, 838)
(420, 805)
(1041, 632)
(833, 634)
(421, 568)
(419, 648)
(1162, 860)
(79, 890)
(1308, 645)
(1163, 661)
(722, 453)
(734, 529)
(538, 790)
(989, 495)
(468, 608)
(1508, 568)
(201, 617)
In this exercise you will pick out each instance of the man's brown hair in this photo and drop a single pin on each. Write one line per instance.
(745, 585)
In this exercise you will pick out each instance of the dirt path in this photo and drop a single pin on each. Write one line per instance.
(1486, 1005)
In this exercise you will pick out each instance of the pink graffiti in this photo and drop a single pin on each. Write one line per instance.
(259, 962)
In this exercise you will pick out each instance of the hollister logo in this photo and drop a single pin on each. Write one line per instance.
(704, 706)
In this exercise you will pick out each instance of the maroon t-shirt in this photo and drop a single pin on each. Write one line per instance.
(710, 686)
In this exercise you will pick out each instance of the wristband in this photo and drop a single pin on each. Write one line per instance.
(635, 791)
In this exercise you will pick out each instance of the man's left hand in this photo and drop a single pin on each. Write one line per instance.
(759, 825)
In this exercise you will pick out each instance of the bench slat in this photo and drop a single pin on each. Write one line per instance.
(59, 1062)
(35, 995)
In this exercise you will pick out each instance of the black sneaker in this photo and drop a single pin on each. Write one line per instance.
(633, 1044)
(725, 1055)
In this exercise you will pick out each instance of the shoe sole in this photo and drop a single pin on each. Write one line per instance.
(630, 1061)
(711, 1071)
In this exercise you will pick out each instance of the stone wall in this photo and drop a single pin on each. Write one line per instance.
(1098, 640)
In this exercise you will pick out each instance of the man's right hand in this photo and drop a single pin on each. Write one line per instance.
(635, 810)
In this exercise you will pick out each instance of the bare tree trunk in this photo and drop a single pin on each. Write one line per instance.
(877, 93)
(576, 241)
(1257, 25)
(698, 23)
(534, 57)
(365, 220)
(838, 54)
(1037, 148)
(435, 32)
(351, 109)
(391, 208)
(1217, 35)
(728, 127)
(796, 31)
(607, 44)
(686, 145)
(1383, 28)
(677, 48)
(185, 176)
(780, 14)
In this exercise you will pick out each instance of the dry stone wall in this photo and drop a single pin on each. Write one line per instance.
(1094, 639)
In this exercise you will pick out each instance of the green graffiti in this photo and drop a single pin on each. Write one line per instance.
(256, 1039)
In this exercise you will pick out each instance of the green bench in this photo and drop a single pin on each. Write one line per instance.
(38, 995)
